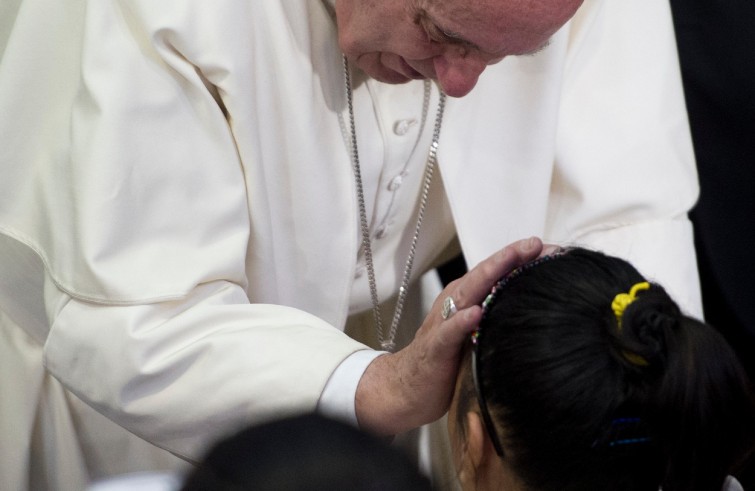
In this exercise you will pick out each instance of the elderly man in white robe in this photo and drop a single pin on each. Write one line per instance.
(215, 213)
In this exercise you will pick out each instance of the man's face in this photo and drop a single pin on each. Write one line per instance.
(451, 41)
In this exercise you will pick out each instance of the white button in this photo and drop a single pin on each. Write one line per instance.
(359, 271)
(397, 181)
(402, 126)
(381, 232)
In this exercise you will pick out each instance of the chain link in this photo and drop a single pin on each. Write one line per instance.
(388, 343)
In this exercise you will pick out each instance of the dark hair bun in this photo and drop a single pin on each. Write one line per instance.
(647, 326)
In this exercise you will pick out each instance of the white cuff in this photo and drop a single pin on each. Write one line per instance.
(338, 397)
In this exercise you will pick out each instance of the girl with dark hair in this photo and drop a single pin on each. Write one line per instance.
(584, 376)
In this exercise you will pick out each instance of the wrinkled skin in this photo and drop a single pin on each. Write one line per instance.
(450, 41)
(414, 386)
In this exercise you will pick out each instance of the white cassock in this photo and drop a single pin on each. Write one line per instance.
(179, 234)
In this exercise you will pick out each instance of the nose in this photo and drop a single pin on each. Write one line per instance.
(457, 72)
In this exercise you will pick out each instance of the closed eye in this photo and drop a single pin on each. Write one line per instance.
(438, 35)
(432, 32)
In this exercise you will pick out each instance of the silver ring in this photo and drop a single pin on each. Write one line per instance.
(449, 308)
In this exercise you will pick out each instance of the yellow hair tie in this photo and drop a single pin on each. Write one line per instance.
(622, 300)
(619, 305)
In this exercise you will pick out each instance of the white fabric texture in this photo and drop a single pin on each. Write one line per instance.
(179, 245)
(337, 398)
(731, 484)
(143, 481)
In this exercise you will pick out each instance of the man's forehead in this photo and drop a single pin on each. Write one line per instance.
(503, 13)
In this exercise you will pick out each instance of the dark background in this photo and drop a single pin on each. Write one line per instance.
(716, 40)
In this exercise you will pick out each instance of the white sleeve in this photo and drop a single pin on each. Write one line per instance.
(625, 175)
(338, 397)
(182, 373)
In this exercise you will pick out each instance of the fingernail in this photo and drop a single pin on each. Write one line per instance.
(530, 244)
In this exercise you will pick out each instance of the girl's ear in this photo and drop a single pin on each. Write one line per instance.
(481, 467)
(476, 439)
(471, 452)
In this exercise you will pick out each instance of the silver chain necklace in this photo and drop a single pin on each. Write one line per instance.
(388, 342)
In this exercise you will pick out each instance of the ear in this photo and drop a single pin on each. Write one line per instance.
(472, 452)
(483, 467)
(476, 439)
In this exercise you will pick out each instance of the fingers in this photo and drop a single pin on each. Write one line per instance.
(472, 288)
(469, 291)
(457, 329)
(414, 386)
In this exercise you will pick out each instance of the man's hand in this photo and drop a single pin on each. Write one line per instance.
(414, 386)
